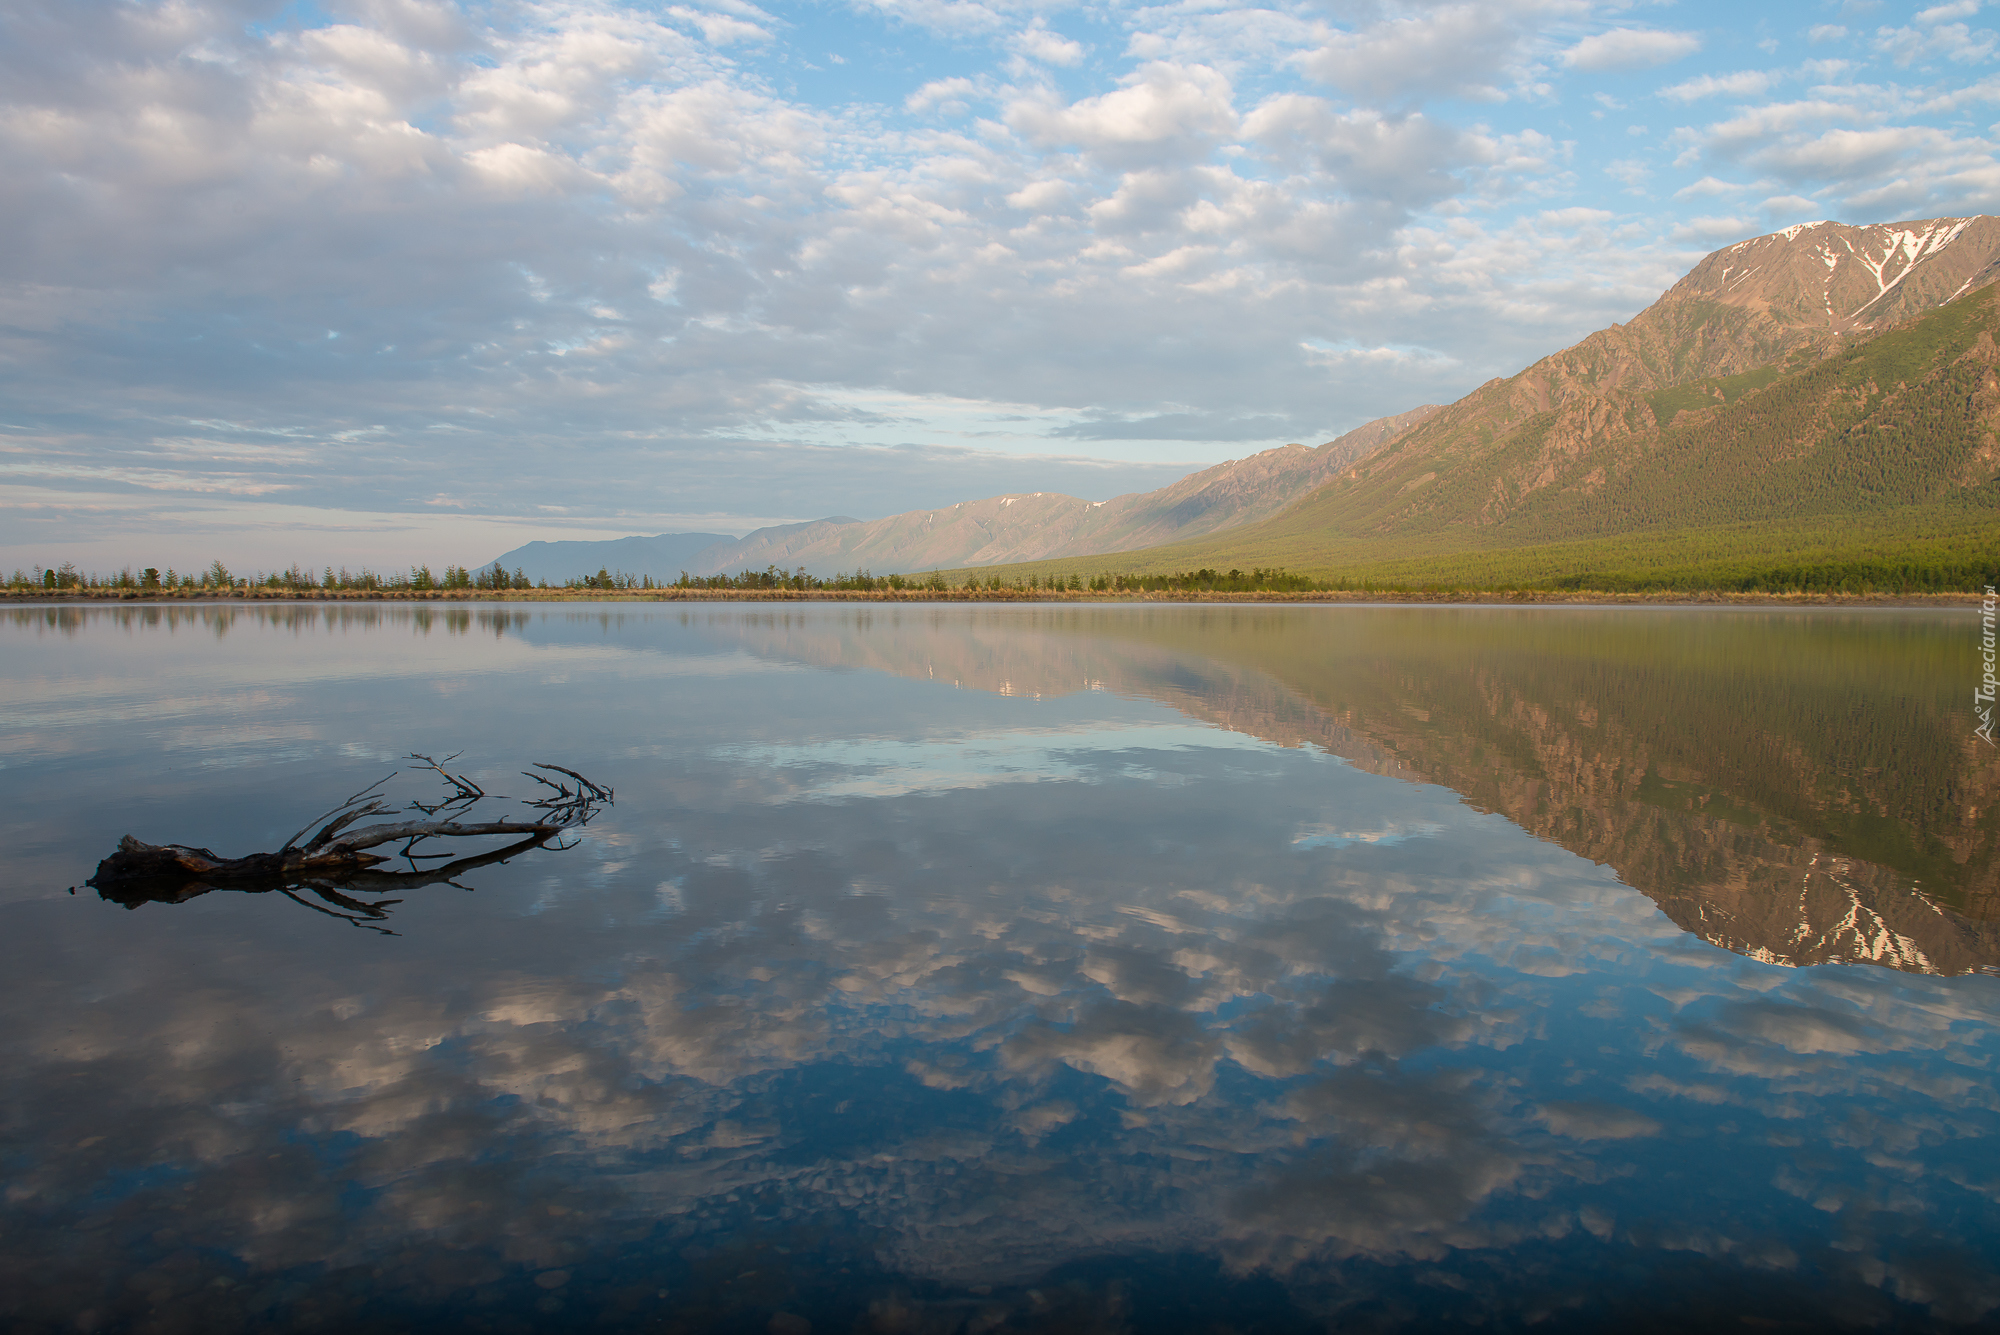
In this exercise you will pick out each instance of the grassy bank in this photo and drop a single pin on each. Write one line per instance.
(1915, 550)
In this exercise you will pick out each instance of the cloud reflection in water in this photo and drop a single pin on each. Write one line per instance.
(956, 991)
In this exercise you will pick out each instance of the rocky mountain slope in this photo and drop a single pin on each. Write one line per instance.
(1824, 371)
(1579, 419)
(1907, 418)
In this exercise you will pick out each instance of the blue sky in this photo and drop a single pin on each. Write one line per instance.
(399, 280)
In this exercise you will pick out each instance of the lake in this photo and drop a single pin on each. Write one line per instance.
(1011, 968)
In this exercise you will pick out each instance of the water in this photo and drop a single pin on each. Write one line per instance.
(1014, 968)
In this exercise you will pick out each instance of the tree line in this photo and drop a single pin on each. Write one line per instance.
(1204, 580)
(218, 578)
(1946, 571)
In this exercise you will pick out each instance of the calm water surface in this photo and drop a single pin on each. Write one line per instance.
(1006, 969)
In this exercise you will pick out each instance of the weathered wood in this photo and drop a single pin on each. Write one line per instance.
(174, 885)
(139, 861)
(335, 858)
(370, 836)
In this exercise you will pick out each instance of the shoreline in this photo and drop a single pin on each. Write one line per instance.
(1451, 597)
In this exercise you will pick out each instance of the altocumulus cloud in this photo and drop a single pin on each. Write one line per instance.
(419, 280)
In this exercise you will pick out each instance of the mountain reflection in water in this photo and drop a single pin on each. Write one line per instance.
(1799, 789)
(1018, 969)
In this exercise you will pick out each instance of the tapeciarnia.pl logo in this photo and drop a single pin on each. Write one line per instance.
(1982, 696)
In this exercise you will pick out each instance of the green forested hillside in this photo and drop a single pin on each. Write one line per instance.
(1876, 465)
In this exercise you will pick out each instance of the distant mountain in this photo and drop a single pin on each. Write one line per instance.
(662, 556)
(1041, 525)
(1021, 526)
(1765, 387)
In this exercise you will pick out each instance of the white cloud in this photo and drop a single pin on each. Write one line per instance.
(1405, 159)
(1152, 200)
(1714, 229)
(521, 169)
(1042, 196)
(1744, 83)
(1958, 9)
(1630, 49)
(1451, 51)
(1840, 155)
(1575, 217)
(1162, 108)
(1762, 125)
(1954, 42)
(1789, 204)
(951, 96)
(1036, 42)
(720, 29)
(1706, 186)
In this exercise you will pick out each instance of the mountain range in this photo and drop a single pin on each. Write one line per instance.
(1817, 394)
(1825, 394)
(1557, 441)
(1017, 526)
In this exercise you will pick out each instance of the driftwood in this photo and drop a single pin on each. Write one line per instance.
(333, 861)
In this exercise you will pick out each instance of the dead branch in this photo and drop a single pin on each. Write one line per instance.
(365, 792)
(462, 789)
(349, 845)
(341, 822)
(336, 855)
(601, 794)
(376, 881)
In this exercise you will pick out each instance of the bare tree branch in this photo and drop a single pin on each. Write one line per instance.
(601, 794)
(342, 807)
(336, 855)
(372, 835)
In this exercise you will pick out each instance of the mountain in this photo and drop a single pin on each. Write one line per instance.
(663, 556)
(1020, 526)
(1834, 377)
(1042, 525)
(1575, 425)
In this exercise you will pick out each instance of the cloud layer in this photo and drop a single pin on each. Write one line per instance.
(403, 273)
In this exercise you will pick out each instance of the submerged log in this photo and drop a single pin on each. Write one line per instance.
(141, 861)
(334, 859)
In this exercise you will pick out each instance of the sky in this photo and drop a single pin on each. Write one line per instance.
(385, 281)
